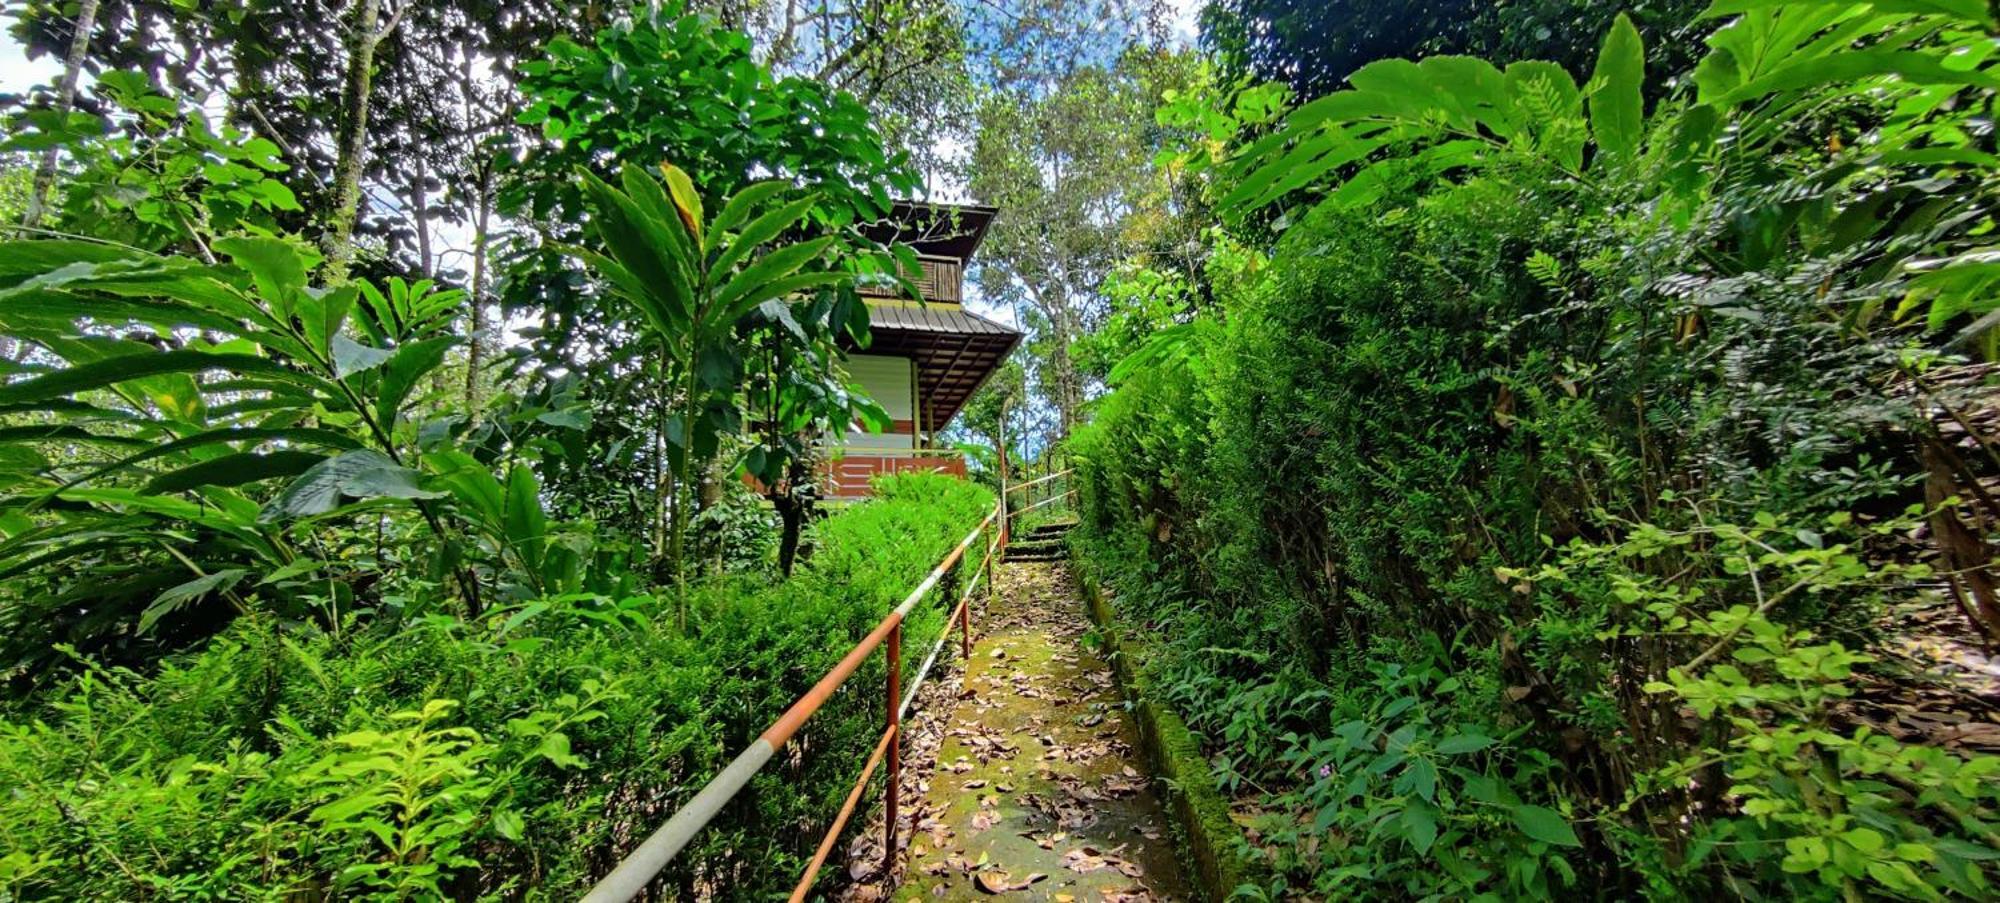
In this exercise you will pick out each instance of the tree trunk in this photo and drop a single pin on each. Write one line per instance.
(352, 139)
(475, 351)
(663, 489)
(791, 522)
(45, 173)
(420, 198)
(1063, 366)
(710, 537)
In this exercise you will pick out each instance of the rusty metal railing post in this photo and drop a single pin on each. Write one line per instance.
(895, 750)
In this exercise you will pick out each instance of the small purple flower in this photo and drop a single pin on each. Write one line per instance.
(1326, 771)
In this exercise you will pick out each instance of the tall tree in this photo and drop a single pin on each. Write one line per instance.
(363, 31)
(1069, 168)
(45, 171)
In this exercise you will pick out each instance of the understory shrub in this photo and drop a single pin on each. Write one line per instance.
(1519, 520)
(518, 755)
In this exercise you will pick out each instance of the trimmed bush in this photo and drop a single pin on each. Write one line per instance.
(520, 755)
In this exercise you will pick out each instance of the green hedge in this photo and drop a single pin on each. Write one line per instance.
(281, 761)
(1433, 514)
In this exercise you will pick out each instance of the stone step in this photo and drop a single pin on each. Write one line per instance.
(1045, 550)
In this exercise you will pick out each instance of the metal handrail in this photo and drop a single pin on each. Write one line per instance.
(1040, 480)
(1054, 498)
(638, 869)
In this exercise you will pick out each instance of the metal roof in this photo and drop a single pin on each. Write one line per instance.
(948, 318)
(940, 230)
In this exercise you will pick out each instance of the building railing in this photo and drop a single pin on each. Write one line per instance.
(848, 474)
(645, 862)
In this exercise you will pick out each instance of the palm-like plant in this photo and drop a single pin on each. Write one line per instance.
(699, 283)
(132, 456)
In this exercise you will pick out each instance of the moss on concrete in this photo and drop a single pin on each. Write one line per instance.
(1209, 838)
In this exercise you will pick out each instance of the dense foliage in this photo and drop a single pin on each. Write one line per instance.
(1521, 519)
(512, 752)
(1528, 429)
(291, 610)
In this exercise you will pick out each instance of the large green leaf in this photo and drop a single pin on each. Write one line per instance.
(215, 517)
(1474, 91)
(1971, 11)
(351, 357)
(470, 483)
(1914, 67)
(771, 267)
(276, 266)
(114, 370)
(673, 225)
(30, 309)
(410, 364)
(640, 247)
(36, 256)
(738, 208)
(1546, 825)
(760, 231)
(1617, 105)
(307, 435)
(362, 474)
(235, 470)
(63, 432)
(172, 600)
(527, 526)
(783, 288)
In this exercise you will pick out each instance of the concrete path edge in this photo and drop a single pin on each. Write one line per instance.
(1208, 837)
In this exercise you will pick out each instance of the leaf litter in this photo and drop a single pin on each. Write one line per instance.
(1021, 780)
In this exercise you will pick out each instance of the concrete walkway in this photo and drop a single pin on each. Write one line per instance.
(1031, 787)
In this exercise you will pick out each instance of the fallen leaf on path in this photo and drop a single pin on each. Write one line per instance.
(997, 882)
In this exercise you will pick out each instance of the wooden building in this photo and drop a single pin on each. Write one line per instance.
(926, 359)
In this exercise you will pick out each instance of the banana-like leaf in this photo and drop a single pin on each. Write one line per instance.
(760, 231)
(313, 436)
(362, 474)
(1617, 104)
(404, 370)
(674, 223)
(174, 599)
(642, 250)
(235, 470)
(687, 201)
(1973, 12)
(63, 432)
(27, 310)
(738, 208)
(19, 259)
(123, 368)
(527, 526)
(785, 287)
(771, 267)
(1911, 66)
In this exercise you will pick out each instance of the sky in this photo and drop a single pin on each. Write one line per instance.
(18, 73)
